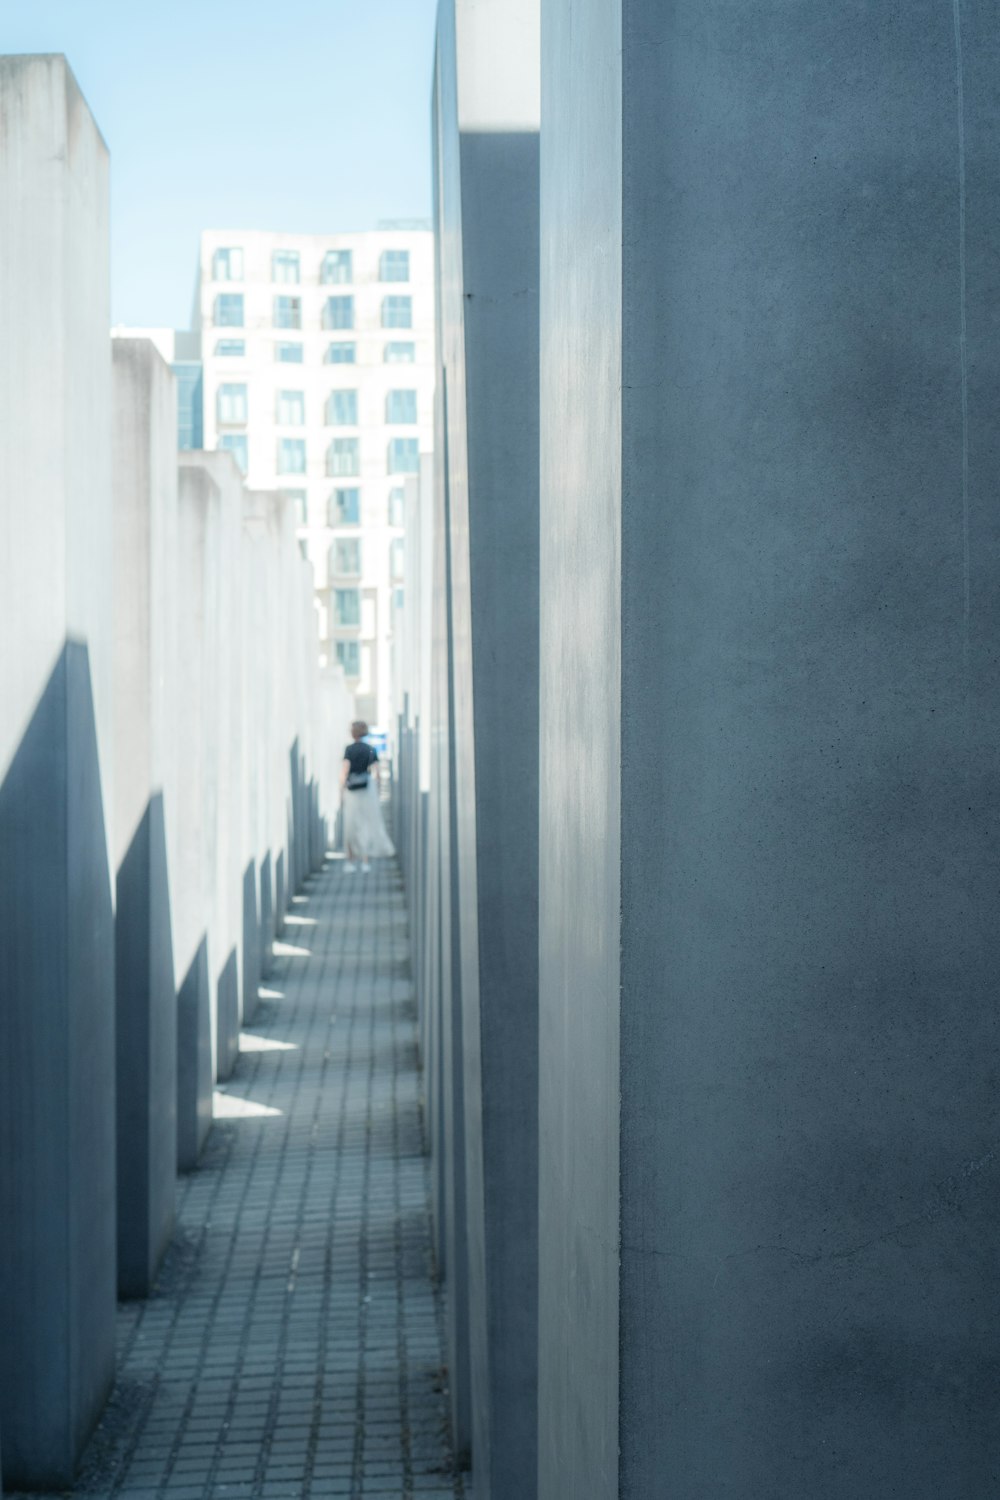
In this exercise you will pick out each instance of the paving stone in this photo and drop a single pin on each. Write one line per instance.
(293, 1344)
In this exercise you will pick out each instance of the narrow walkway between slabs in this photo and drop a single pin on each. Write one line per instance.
(293, 1346)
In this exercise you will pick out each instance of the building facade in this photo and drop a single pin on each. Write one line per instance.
(318, 375)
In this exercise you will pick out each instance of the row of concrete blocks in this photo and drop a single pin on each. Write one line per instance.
(161, 712)
(699, 808)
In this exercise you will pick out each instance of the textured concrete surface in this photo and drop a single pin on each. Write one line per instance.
(795, 750)
(293, 1344)
(580, 674)
(145, 548)
(487, 113)
(57, 1061)
(225, 744)
(197, 825)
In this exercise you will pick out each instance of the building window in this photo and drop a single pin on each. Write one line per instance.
(231, 405)
(285, 266)
(399, 352)
(230, 348)
(338, 312)
(288, 312)
(397, 312)
(345, 556)
(228, 311)
(403, 456)
(290, 409)
(288, 354)
(401, 406)
(345, 508)
(190, 427)
(347, 606)
(349, 657)
(396, 556)
(397, 506)
(342, 409)
(236, 444)
(343, 457)
(297, 498)
(291, 455)
(337, 268)
(227, 265)
(341, 354)
(394, 265)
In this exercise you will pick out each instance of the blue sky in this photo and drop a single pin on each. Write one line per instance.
(293, 114)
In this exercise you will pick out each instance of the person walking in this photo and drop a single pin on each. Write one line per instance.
(365, 837)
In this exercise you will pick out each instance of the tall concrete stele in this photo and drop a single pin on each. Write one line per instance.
(472, 609)
(317, 359)
(57, 944)
(770, 617)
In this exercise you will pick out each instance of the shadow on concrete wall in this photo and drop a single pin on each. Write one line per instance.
(228, 1017)
(253, 939)
(57, 1087)
(146, 1048)
(266, 916)
(194, 1060)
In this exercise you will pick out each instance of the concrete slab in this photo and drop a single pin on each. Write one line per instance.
(769, 614)
(57, 957)
(145, 500)
(487, 119)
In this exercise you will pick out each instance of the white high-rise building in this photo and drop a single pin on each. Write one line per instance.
(318, 361)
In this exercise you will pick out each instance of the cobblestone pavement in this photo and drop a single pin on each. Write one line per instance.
(293, 1346)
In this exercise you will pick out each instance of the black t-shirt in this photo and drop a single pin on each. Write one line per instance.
(359, 757)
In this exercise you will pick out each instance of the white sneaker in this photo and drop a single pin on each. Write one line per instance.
(349, 867)
(366, 869)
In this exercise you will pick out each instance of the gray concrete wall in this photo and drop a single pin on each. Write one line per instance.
(145, 550)
(57, 1060)
(226, 746)
(793, 752)
(487, 111)
(195, 962)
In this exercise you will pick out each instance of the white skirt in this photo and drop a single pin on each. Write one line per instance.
(364, 830)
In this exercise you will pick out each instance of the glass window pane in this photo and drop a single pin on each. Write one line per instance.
(288, 354)
(345, 508)
(228, 347)
(347, 606)
(349, 657)
(338, 312)
(285, 266)
(397, 506)
(337, 268)
(341, 354)
(227, 264)
(397, 312)
(291, 456)
(236, 444)
(394, 265)
(399, 352)
(228, 312)
(291, 409)
(190, 426)
(343, 456)
(231, 404)
(403, 456)
(288, 312)
(342, 409)
(345, 556)
(401, 406)
(396, 554)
